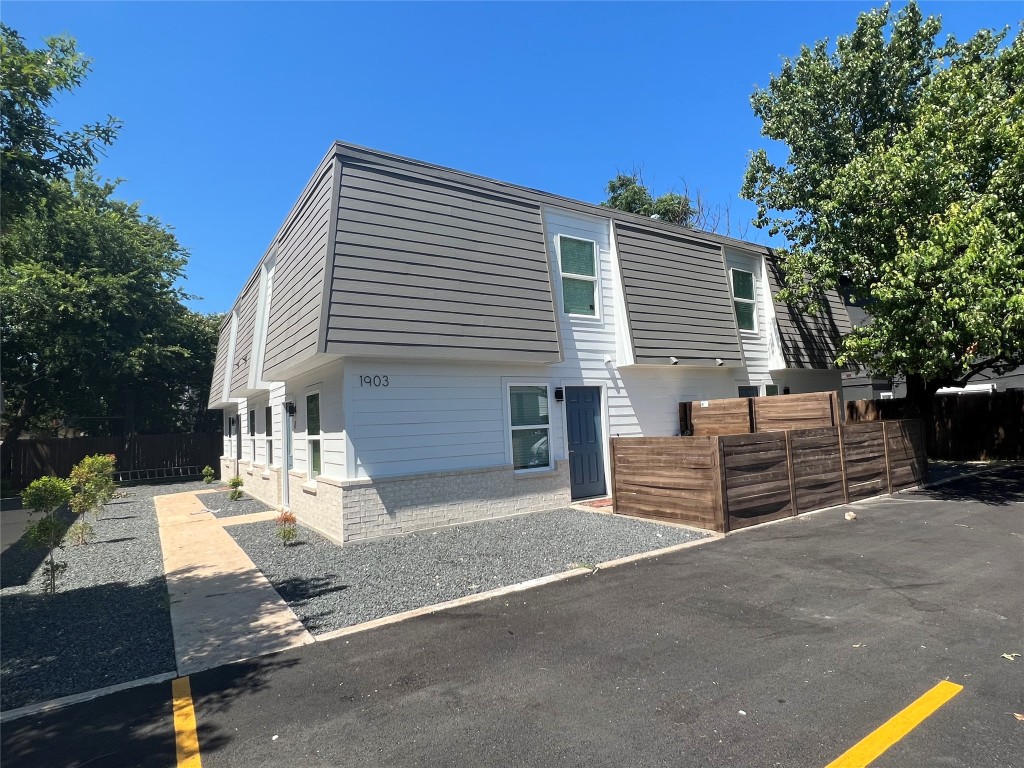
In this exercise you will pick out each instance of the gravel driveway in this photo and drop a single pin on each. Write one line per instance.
(109, 621)
(330, 587)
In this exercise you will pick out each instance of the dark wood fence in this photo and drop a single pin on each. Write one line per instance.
(747, 415)
(964, 427)
(137, 455)
(728, 482)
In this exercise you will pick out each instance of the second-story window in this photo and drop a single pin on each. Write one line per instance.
(743, 299)
(578, 264)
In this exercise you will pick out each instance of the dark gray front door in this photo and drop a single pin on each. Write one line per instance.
(586, 453)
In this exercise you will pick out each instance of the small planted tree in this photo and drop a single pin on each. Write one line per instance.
(286, 528)
(45, 496)
(93, 481)
(235, 483)
(208, 474)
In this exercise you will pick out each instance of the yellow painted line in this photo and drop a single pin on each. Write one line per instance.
(872, 746)
(186, 740)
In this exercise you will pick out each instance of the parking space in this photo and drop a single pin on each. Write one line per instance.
(784, 645)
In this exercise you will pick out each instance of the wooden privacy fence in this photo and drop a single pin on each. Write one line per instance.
(747, 415)
(969, 427)
(727, 482)
(139, 457)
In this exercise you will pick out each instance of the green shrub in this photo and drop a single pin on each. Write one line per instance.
(45, 496)
(93, 481)
(235, 483)
(286, 528)
(80, 532)
(208, 474)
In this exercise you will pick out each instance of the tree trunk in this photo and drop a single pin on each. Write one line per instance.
(17, 423)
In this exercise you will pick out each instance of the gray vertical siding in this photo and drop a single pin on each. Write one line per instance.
(677, 298)
(246, 308)
(429, 269)
(293, 327)
(808, 341)
(220, 365)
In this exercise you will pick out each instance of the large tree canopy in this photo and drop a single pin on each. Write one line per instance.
(904, 184)
(627, 192)
(33, 151)
(93, 325)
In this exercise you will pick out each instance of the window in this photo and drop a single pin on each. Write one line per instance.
(252, 435)
(749, 391)
(268, 419)
(744, 300)
(771, 389)
(578, 264)
(528, 415)
(313, 435)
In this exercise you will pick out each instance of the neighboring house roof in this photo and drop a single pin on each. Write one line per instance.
(384, 255)
(808, 341)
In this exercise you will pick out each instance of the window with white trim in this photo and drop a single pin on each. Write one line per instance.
(744, 299)
(529, 411)
(313, 456)
(577, 262)
(252, 435)
(749, 390)
(771, 389)
(268, 433)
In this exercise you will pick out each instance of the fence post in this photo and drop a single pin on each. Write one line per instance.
(611, 466)
(788, 470)
(885, 446)
(842, 464)
(718, 467)
(833, 405)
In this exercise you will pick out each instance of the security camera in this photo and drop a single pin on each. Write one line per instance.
(719, 362)
(674, 360)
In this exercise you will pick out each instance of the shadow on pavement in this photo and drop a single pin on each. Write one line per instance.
(999, 487)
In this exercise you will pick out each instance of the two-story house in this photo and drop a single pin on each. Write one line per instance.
(420, 346)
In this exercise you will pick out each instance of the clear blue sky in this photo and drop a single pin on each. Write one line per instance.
(228, 107)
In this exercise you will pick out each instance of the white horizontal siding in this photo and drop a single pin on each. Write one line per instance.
(328, 382)
(756, 353)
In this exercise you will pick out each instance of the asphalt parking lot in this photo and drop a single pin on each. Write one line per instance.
(784, 645)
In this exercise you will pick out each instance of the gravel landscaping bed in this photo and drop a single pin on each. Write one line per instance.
(330, 587)
(221, 505)
(109, 621)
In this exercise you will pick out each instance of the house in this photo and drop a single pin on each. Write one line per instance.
(420, 346)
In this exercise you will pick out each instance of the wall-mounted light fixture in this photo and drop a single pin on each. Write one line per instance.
(289, 408)
(674, 360)
(719, 362)
(559, 394)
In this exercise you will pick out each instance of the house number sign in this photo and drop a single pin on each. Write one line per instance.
(373, 381)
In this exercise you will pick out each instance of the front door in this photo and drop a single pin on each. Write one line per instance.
(586, 452)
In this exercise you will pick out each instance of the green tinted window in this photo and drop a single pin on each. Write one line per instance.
(578, 296)
(314, 458)
(577, 256)
(313, 414)
(530, 448)
(745, 316)
(529, 405)
(742, 285)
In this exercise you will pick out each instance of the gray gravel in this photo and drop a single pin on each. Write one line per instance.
(109, 621)
(221, 505)
(330, 587)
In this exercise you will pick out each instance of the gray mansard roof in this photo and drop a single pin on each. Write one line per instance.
(392, 257)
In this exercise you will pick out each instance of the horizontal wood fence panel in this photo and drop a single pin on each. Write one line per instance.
(817, 468)
(721, 417)
(794, 412)
(733, 481)
(28, 460)
(978, 426)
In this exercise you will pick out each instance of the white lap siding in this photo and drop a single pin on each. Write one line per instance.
(327, 381)
(755, 344)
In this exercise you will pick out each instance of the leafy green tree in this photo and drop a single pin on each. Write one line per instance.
(92, 320)
(46, 496)
(903, 186)
(33, 151)
(627, 192)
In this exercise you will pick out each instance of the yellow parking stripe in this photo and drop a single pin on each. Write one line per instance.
(186, 740)
(871, 747)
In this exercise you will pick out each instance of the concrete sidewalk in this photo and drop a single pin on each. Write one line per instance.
(222, 608)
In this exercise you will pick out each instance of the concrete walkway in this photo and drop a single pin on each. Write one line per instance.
(222, 608)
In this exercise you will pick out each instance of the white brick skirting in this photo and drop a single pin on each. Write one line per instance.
(356, 510)
(373, 508)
